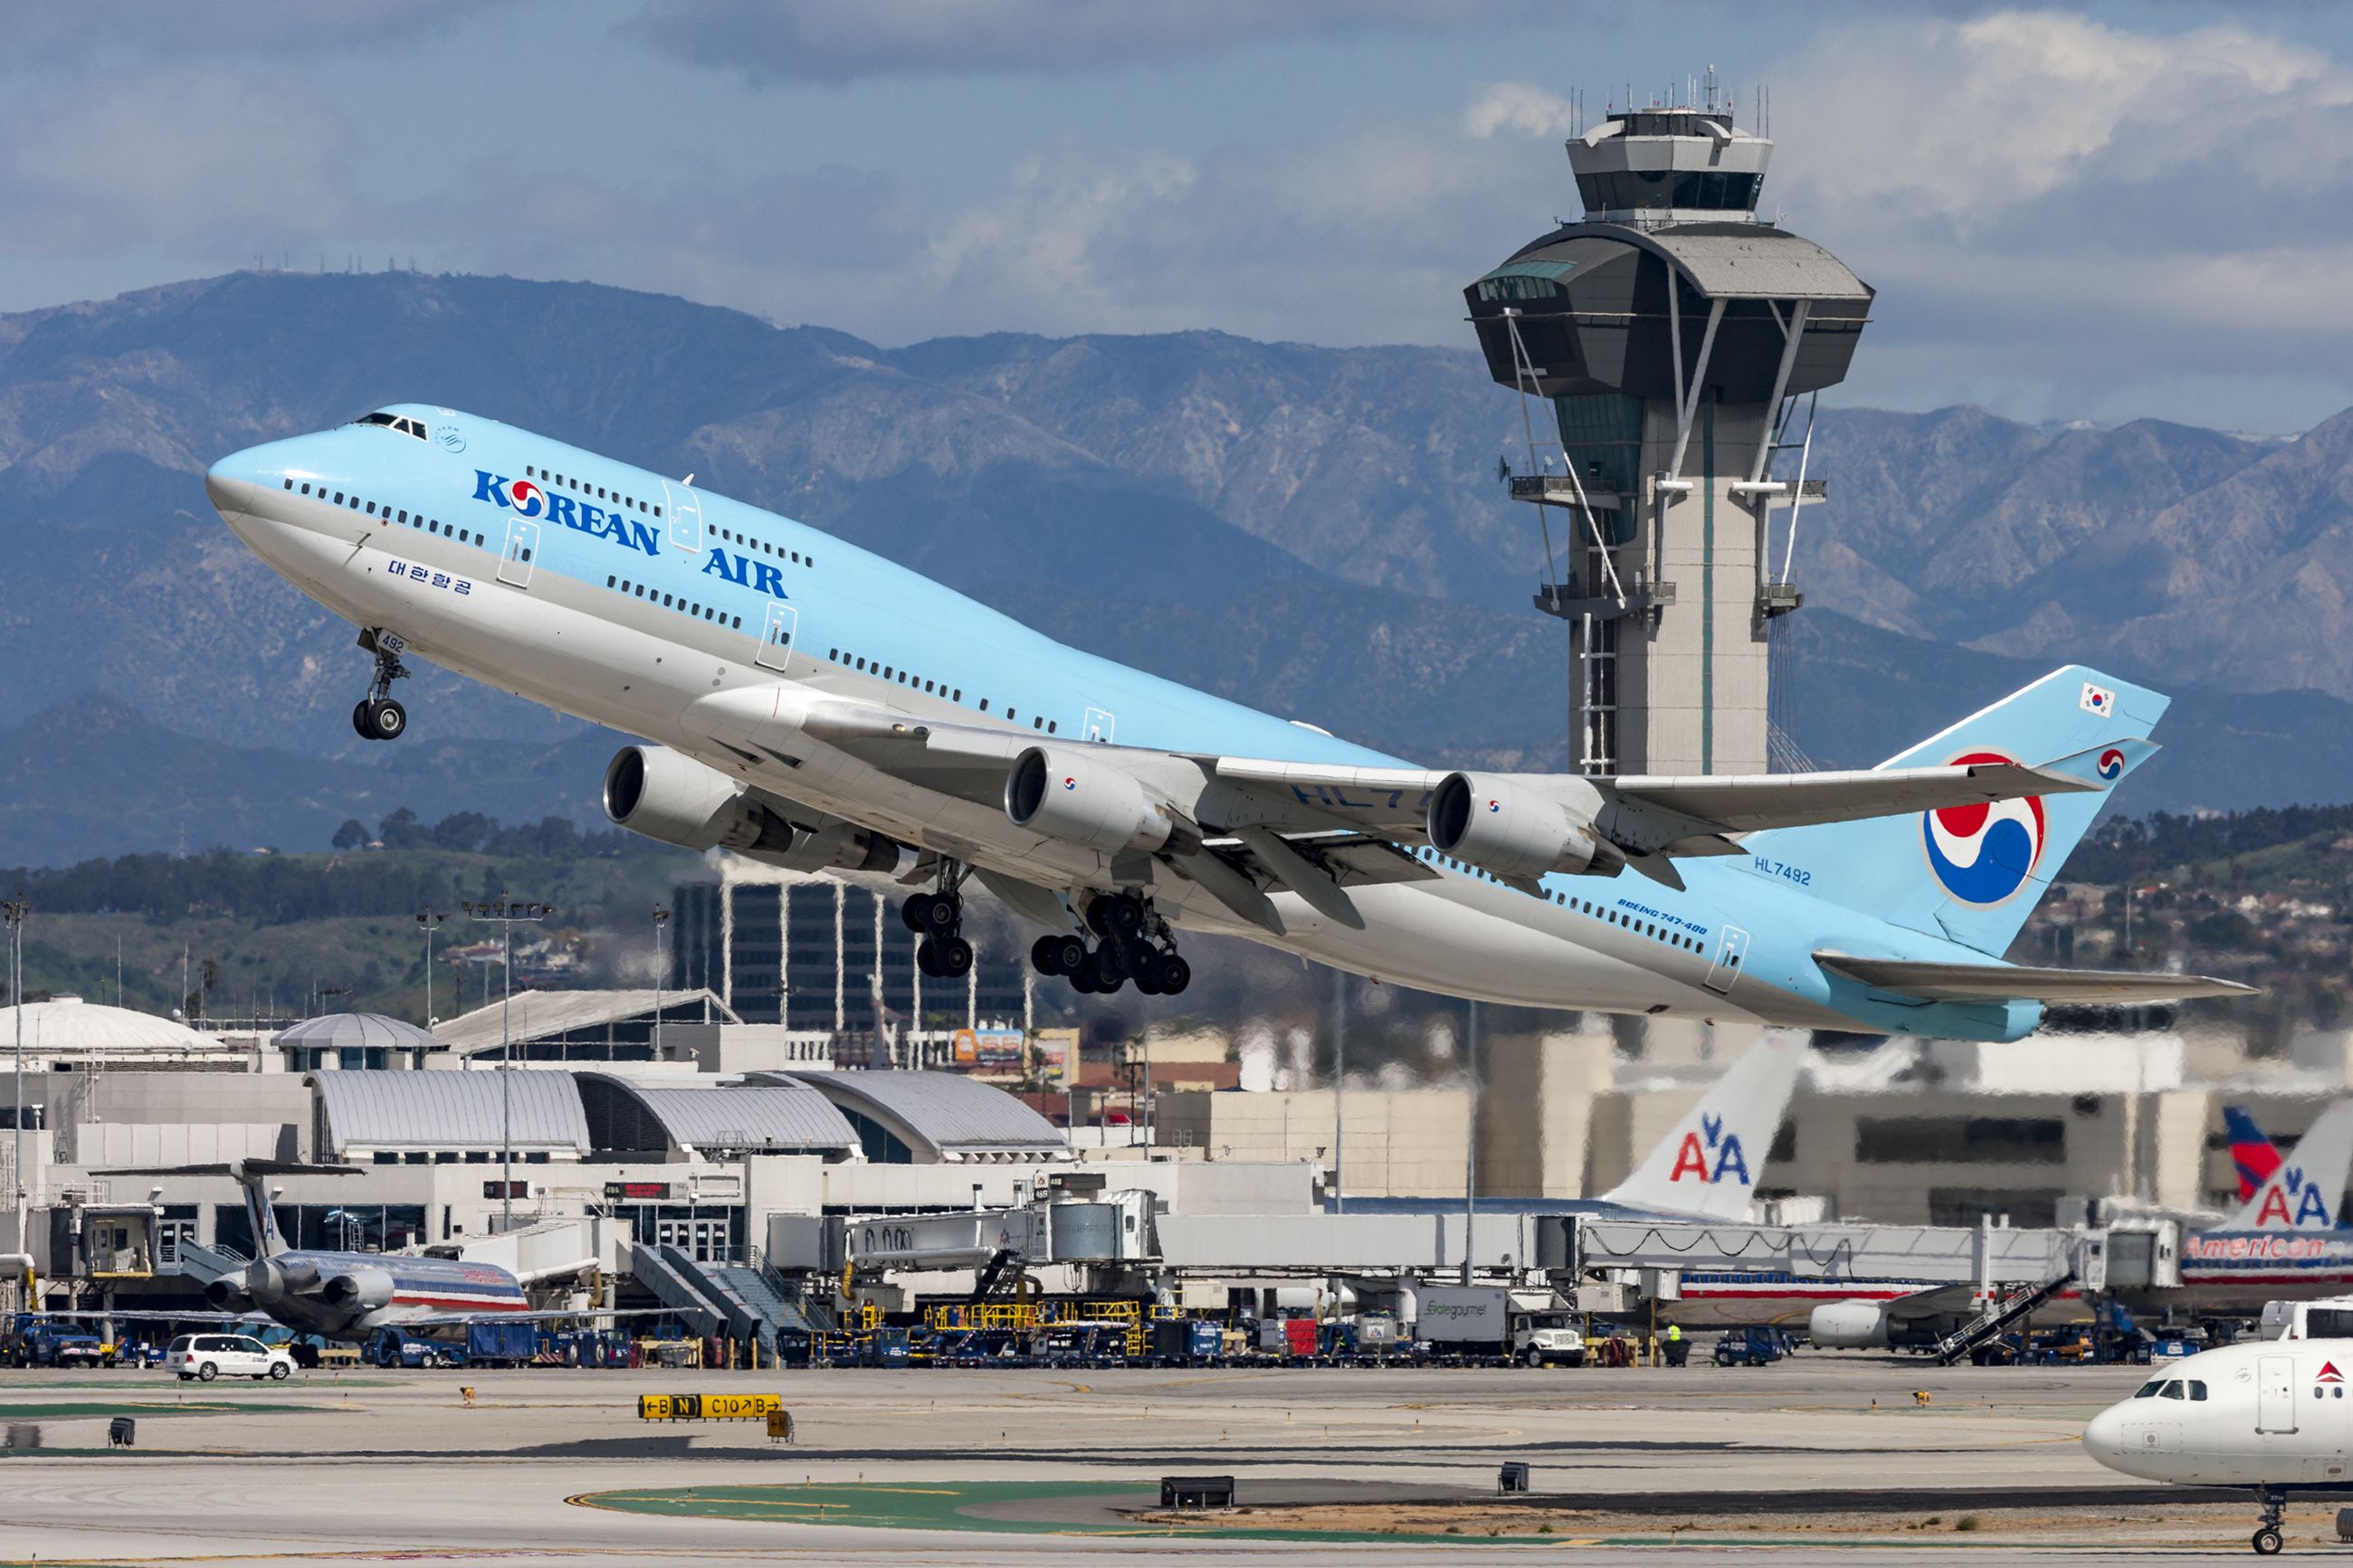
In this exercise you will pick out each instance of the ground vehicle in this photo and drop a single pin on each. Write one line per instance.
(49, 1342)
(1535, 1328)
(1748, 1347)
(205, 1357)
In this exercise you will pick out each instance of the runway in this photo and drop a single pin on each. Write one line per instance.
(1820, 1457)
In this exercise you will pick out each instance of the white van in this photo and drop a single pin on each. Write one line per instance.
(205, 1357)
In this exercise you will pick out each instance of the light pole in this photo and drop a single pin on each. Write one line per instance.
(507, 914)
(661, 919)
(425, 920)
(14, 913)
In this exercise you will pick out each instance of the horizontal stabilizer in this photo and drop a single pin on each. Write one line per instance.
(1738, 804)
(2006, 983)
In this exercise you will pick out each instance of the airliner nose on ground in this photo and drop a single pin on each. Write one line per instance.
(2104, 1439)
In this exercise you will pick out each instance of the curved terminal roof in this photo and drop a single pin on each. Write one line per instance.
(70, 1026)
(788, 1117)
(353, 1031)
(936, 1116)
(436, 1110)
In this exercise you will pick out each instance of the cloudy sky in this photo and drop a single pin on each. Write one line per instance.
(2105, 213)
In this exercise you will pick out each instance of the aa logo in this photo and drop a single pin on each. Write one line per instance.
(2291, 1203)
(1692, 1155)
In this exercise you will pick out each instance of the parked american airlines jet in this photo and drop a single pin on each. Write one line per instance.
(807, 704)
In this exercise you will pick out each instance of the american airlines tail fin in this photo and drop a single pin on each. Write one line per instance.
(1708, 1165)
(1974, 873)
(252, 1177)
(2254, 1153)
(2303, 1192)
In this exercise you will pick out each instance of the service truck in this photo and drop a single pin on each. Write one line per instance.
(1497, 1322)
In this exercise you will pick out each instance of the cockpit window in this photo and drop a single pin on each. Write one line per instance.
(2196, 1390)
(2173, 1390)
(2150, 1390)
(399, 422)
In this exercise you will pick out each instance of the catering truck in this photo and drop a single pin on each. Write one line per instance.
(1497, 1322)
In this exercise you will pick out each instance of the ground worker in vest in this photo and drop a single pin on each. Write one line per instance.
(1674, 1344)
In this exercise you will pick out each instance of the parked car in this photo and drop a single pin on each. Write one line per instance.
(204, 1357)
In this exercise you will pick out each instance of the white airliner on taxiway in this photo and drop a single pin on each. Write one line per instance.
(810, 705)
(2270, 1415)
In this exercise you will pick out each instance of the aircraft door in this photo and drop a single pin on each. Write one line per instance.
(2276, 1393)
(522, 549)
(776, 637)
(683, 516)
(1098, 725)
(1731, 953)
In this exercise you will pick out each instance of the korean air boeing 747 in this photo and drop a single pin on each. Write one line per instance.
(807, 704)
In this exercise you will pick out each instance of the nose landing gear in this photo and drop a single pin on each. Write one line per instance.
(1134, 943)
(378, 716)
(2267, 1540)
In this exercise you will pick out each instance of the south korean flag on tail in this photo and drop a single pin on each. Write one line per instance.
(2098, 700)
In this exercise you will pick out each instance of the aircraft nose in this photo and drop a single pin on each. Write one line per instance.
(233, 483)
(2104, 1436)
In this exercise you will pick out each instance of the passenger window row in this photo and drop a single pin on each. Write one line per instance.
(1583, 907)
(406, 519)
(579, 485)
(676, 601)
(865, 666)
(765, 548)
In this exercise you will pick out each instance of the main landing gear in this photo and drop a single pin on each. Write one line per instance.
(1134, 943)
(2267, 1539)
(378, 717)
(937, 920)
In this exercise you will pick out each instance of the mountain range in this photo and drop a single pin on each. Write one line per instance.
(1317, 532)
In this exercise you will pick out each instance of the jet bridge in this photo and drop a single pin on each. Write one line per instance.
(1117, 1229)
(1928, 1255)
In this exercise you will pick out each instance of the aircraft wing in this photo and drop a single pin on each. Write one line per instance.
(1936, 1300)
(158, 1314)
(2003, 983)
(1643, 814)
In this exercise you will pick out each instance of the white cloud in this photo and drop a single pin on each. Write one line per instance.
(1521, 107)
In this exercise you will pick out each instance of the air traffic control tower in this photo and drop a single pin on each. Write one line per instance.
(1670, 337)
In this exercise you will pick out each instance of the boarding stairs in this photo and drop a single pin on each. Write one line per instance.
(744, 1294)
(1998, 1316)
(204, 1264)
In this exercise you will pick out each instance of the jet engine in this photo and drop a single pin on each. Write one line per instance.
(267, 1280)
(1848, 1326)
(667, 795)
(1066, 795)
(670, 796)
(1512, 831)
(229, 1294)
(361, 1290)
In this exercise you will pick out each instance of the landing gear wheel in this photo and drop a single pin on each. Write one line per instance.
(1083, 979)
(385, 720)
(951, 957)
(359, 719)
(1046, 954)
(911, 913)
(1147, 977)
(927, 957)
(1125, 915)
(1111, 963)
(1174, 974)
(2267, 1542)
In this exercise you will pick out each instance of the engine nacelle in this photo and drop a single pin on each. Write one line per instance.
(361, 1290)
(229, 1294)
(269, 1282)
(839, 846)
(667, 795)
(1066, 795)
(1848, 1326)
(1507, 829)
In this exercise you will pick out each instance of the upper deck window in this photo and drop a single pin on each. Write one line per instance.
(399, 422)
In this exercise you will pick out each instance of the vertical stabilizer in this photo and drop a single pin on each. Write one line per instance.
(258, 1211)
(1973, 873)
(1708, 1165)
(2252, 1154)
(2304, 1191)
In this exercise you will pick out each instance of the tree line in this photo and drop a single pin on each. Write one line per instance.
(413, 869)
(2127, 847)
